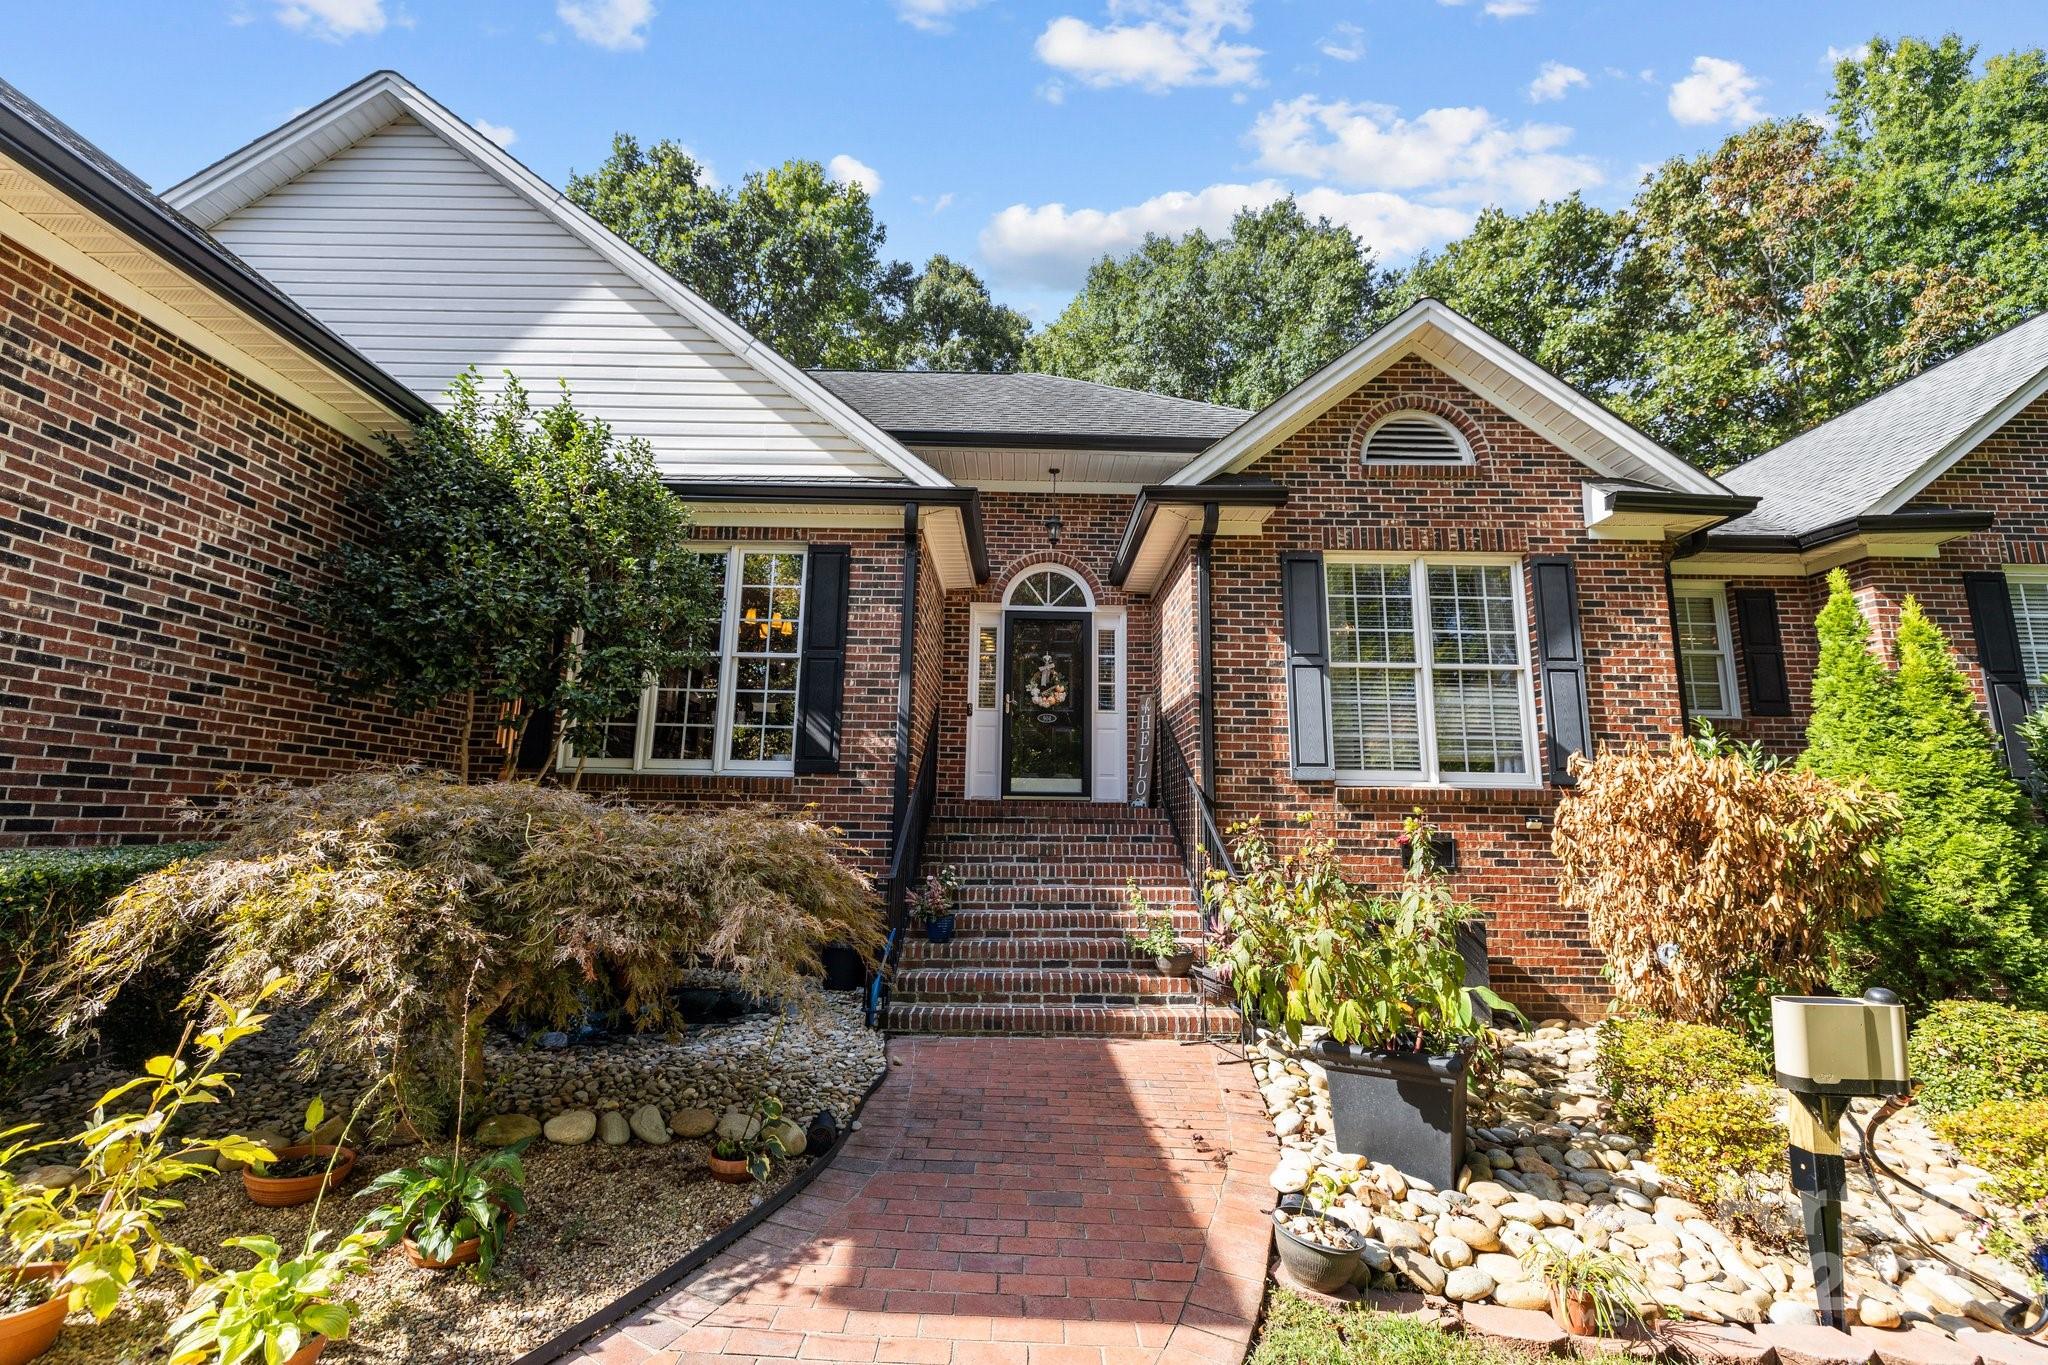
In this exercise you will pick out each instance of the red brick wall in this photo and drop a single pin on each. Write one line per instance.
(1799, 601)
(1522, 497)
(153, 504)
(928, 661)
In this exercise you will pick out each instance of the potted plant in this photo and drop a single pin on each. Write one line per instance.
(274, 1310)
(1591, 1292)
(932, 901)
(751, 1156)
(1319, 1252)
(1160, 941)
(299, 1173)
(451, 1210)
(81, 1246)
(1382, 978)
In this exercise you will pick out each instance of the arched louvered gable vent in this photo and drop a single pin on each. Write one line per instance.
(1415, 438)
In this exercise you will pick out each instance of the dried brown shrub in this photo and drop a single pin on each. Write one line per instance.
(406, 909)
(1738, 867)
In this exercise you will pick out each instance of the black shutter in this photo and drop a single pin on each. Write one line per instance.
(1562, 665)
(1763, 651)
(1998, 651)
(821, 684)
(1305, 623)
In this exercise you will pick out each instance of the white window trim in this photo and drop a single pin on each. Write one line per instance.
(719, 763)
(1430, 774)
(2035, 575)
(1724, 661)
(1465, 455)
(1018, 580)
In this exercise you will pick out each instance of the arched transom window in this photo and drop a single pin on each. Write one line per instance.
(1048, 588)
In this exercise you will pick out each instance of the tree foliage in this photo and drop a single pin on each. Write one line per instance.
(526, 557)
(406, 910)
(797, 259)
(1964, 899)
(1236, 319)
(1694, 870)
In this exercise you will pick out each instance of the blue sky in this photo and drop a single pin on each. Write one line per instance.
(1026, 136)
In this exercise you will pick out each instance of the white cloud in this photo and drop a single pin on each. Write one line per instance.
(1344, 43)
(933, 16)
(849, 170)
(1155, 45)
(1500, 9)
(1452, 155)
(1835, 56)
(333, 20)
(500, 133)
(615, 25)
(1553, 80)
(1717, 91)
(1052, 246)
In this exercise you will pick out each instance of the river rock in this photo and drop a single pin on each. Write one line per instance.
(790, 1134)
(649, 1126)
(612, 1128)
(1791, 1313)
(692, 1123)
(571, 1129)
(737, 1124)
(52, 1177)
(1420, 1271)
(502, 1130)
(1473, 1232)
(1467, 1284)
(1529, 1295)
(1875, 1312)
(1449, 1252)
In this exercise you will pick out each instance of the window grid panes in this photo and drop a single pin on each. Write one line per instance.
(2030, 617)
(737, 710)
(1105, 669)
(1049, 588)
(1448, 635)
(985, 668)
(1704, 668)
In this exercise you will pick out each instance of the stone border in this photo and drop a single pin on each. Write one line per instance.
(661, 1281)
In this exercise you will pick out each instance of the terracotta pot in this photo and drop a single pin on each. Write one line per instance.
(273, 1193)
(1573, 1311)
(32, 1331)
(308, 1353)
(465, 1253)
(1175, 964)
(731, 1170)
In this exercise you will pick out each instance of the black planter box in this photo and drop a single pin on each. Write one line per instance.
(1405, 1109)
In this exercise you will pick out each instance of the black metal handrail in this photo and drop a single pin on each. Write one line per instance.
(906, 865)
(1192, 813)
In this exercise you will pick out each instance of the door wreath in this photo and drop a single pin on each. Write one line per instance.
(1045, 688)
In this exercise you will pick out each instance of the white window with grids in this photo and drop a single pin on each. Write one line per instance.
(2029, 589)
(1706, 660)
(735, 713)
(1429, 672)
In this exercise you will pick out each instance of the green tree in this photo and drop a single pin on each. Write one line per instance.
(790, 254)
(500, 538)
(1963, 905)
(1236, 319)
(948, 321)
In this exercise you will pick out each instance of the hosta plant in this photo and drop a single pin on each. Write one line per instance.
(447, 1200)
(269, 1310)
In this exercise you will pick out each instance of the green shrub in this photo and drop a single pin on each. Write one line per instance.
(46, 893)
(1969, 1052)
(2009, 1139)
(1715, 1141)
(1645, 1063)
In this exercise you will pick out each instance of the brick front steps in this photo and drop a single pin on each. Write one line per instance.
(1042, 938)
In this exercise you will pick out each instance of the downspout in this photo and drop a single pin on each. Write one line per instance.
(1205, 649)
(905, 665)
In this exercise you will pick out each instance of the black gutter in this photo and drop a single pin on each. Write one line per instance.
(1205, 644)
(850, 493)
(158, 227)
(1030, 440)
(1658, 500)
(905, 662)
(1155, 496)
(1873, 523)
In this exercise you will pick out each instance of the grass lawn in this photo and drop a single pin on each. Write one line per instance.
(1294, 1331)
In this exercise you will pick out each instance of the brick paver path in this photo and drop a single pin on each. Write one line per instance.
(1007, 1201)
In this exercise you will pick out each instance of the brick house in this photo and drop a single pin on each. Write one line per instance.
(1057, 635)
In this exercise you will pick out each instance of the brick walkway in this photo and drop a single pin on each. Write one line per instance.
(1008, 1201)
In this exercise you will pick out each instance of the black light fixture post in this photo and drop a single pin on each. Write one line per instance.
(1052, 522)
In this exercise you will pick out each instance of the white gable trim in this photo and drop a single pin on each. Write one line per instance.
(1423, 329)
(245, 176)
(1979, 432)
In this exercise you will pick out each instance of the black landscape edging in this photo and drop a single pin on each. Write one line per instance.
(636, 1298)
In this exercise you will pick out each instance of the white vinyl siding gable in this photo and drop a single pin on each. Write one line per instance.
(428, 264)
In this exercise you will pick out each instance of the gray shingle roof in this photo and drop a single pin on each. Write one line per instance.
(909, 404)
(1844, 467)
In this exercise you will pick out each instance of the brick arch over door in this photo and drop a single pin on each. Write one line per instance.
(1000, 583)
(1467, 425)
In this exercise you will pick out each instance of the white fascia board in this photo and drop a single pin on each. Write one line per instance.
(664, 286)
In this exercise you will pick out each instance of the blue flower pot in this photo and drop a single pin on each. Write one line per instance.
(939, 929)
